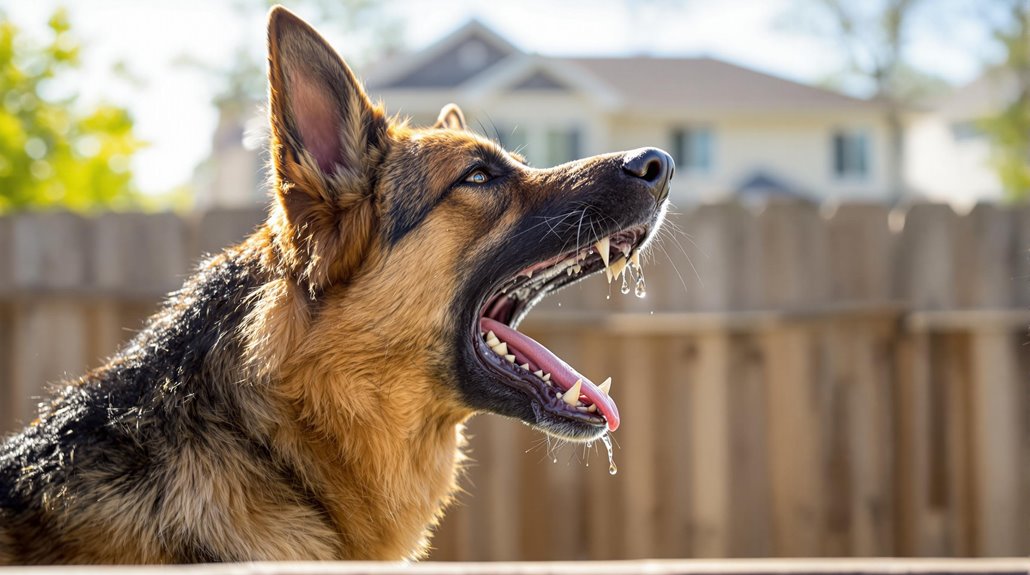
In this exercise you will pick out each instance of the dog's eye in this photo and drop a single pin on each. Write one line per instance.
(477, 177)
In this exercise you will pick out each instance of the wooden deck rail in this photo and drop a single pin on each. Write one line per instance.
(1014, 566)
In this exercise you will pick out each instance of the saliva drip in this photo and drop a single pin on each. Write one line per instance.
(625, 286)
(607, 440)
(640, 290)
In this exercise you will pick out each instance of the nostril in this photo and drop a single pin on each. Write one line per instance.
(651, 165)
(652, 171)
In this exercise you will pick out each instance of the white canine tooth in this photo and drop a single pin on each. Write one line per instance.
(539, 373)
(501, 348)
(492, 342)
(635, 259)
(592, 408)
(546, 377)
(571, 396)
(510, 358)
(577, 268)
(606, 386)
(602, 246)
(490, 335)
(619, 267)
(525, 366)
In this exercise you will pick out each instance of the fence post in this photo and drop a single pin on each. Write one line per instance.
(999, 391)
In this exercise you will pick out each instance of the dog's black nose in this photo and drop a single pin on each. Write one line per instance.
(652, 165)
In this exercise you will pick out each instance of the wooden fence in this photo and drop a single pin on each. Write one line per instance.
(799, 381)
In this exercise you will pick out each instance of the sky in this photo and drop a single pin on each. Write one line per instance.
(172, 102)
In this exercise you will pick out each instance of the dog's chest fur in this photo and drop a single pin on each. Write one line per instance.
(171, 454)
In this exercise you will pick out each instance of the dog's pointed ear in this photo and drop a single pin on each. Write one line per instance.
(318, 109)
(327, 141)
(450, 118)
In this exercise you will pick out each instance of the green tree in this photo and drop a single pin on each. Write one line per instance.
(1009, 129)
(51, 153)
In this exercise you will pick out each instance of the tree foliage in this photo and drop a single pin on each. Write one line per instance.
(1009, 129)
(52, 153)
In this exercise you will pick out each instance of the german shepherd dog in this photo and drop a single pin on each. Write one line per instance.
(303, 395)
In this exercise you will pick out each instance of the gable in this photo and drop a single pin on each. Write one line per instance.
(453, 66)
(540, 80)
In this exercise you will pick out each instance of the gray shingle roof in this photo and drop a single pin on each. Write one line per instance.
(707, 83)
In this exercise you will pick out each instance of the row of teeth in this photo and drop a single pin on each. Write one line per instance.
(618, 267)
(612, 270)
(570, 397)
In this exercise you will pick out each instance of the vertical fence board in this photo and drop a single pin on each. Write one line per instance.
(751, 499)
(997, 394)
(50, 256)
(676, 462)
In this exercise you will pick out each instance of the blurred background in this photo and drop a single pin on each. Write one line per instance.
(831, 358)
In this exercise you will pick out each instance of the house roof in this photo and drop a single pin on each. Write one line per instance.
(710, 84)
(477, 59)
(448, 62)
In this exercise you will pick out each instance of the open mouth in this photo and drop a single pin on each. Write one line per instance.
(526, 365)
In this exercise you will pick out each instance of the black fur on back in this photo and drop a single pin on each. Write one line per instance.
(179, 380)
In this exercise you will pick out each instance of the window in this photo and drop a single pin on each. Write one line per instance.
(850, 154)
(967, 130)
(562, 145)
(692, 149)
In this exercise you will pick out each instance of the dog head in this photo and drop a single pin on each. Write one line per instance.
(425, 248)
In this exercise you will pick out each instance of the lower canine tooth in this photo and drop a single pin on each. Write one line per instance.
(571, 396)
(606, 386)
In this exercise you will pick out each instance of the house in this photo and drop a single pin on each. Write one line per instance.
(949, 157)
(733, 131)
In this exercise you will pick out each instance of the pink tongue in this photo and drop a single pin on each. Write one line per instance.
(561, 373)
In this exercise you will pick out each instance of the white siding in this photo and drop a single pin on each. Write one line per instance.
(944, 168)
(797, 151)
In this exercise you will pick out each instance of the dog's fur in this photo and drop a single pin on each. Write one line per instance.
(303, 395)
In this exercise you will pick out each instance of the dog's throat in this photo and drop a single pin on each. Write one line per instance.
(522, 350)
